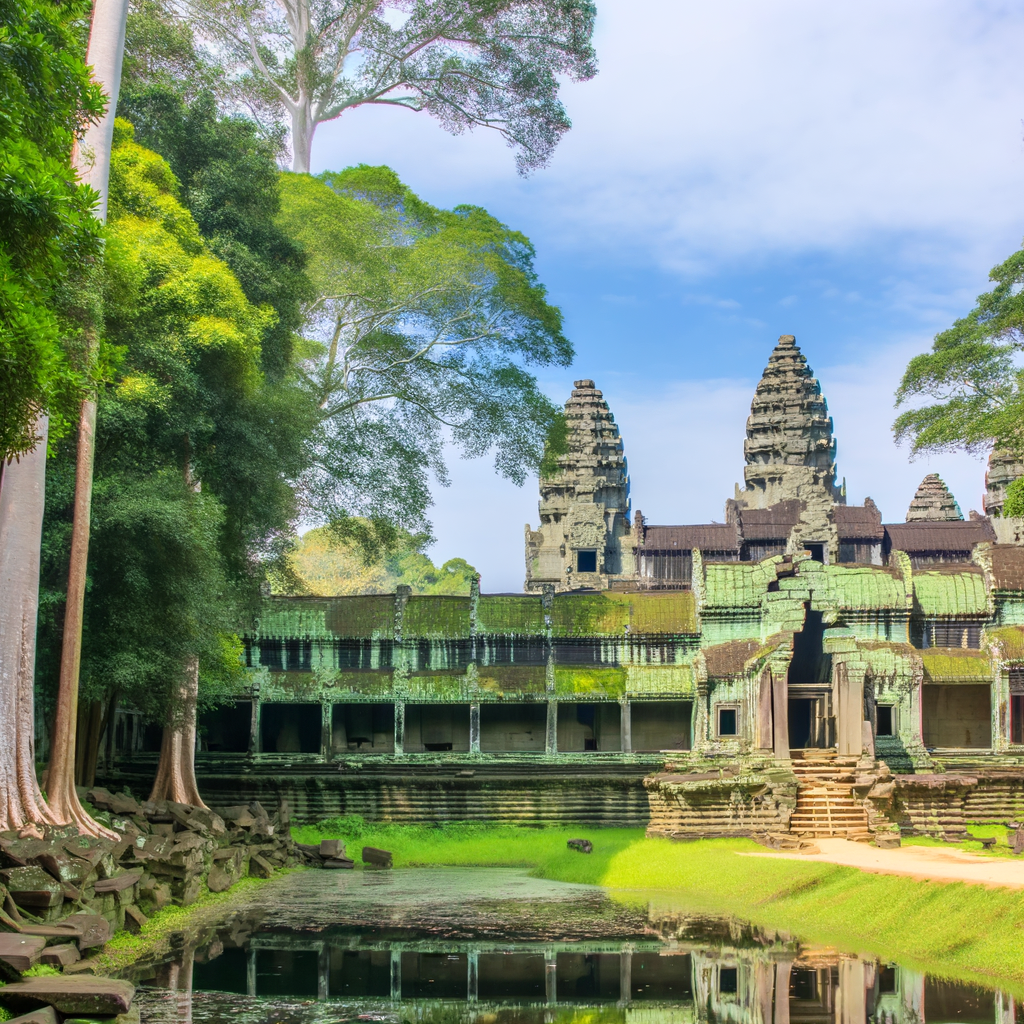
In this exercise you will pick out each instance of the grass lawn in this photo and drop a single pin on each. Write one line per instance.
(949, 929)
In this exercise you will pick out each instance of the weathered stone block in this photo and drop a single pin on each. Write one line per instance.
(134, 919)
(260, 867)
(332, 848)
(375, 858)
(32, 887)
(60, 956)
(103, 997)
(21, 951)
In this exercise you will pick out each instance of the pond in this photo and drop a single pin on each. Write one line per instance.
(495, 946)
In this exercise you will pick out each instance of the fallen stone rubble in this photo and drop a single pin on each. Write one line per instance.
(63, 894)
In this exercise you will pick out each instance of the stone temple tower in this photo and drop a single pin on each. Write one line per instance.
(789, 451)
(1003, 469)
(584, 540)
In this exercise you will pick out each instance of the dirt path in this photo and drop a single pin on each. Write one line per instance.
(926, 863)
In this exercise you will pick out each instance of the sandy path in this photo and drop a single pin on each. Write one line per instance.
(927, 863)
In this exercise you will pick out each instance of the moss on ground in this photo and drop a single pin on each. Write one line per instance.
(953, 930)
(125, 949)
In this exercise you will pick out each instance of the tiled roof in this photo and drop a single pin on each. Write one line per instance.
(858, 522)
(951, 594)
(946, 536)
(706, 537)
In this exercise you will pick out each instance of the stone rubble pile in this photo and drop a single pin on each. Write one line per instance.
(62, 893)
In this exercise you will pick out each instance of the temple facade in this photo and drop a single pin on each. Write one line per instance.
(802, 668)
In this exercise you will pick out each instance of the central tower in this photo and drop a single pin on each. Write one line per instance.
(790, 453)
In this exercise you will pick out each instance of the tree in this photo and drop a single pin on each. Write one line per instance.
(189, 482)
(972, 376)
(493, 64)
(47, 231)
(48, 239)
(423, 327)
(328, 565)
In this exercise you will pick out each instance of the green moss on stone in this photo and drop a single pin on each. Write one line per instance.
(737, 584)
(371, 615)
(1010, 640)
(436, 617)
(663, 680)
(590, 614)
(951, 593)
(674, 613)
(606, 681)
(512, 678)
(510, 615)
(949, 664)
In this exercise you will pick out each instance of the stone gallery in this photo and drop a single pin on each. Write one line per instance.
(800, 669)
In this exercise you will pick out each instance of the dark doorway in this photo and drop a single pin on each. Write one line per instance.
(817, 552)
(360, 973)
(226, 729)
(435, 975)
(290, 728)
(515, 976)
(801, 717)
(655, 976)
(287, 972)
(808, 664)
(228, 972)
(363, 728)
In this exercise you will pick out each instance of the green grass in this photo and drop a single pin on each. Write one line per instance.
(970, 932)
(1002, 834)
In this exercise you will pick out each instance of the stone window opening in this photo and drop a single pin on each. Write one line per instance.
(728, 721)
(957, 715)
(586, 561)
(728, 981)
(816, 551)
(287, 728)
(1017, 706)
(885, 723)
(953, 634)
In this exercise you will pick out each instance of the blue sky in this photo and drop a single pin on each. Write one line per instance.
(845, 172)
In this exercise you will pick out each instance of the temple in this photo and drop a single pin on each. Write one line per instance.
(801, 669)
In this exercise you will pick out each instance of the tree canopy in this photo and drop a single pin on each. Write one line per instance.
(971, 383)
(192, 472)
(421, 333)
(47, 232)
(328, 565)
(494, 64)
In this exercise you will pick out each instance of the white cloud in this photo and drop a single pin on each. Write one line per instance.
(719, 130)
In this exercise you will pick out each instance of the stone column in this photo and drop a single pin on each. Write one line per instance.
(782, 973)
(852, 1002)
(780, 714)
(323, 977)
(399, 726)
(474, 728)
(625, 978)
(550, 977)
(473, 976)
(250, 972)
(551, 732)
(396, 975)
(326, 723)
(254, 724)
(626, 727)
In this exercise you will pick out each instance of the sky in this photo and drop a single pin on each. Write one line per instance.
(845, 172)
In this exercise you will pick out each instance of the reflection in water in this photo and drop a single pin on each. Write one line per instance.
(287, 977)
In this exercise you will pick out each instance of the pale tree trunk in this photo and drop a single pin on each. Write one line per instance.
(22, 494)
(176, 775)
(303, 129)
(92, 161)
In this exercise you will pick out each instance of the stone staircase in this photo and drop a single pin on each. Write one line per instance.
(825, 805)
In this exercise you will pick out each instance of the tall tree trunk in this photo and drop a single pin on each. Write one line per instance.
(303, 129)
(92, 160)
(22, 494)
(90, 730)
(176, 775)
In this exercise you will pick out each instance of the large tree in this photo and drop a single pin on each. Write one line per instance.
(423, 330)
(971, 384)
(489, 63)
(192, 465)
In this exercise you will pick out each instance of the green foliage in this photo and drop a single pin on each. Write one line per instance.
(329, 565)
(423, 328)
(226, 168)
(1014, 504)
(971, 376)
(190, 480)
(48, 236)
(41, 971)
(496, 65)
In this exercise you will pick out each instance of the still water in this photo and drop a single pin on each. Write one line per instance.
(492, 946)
